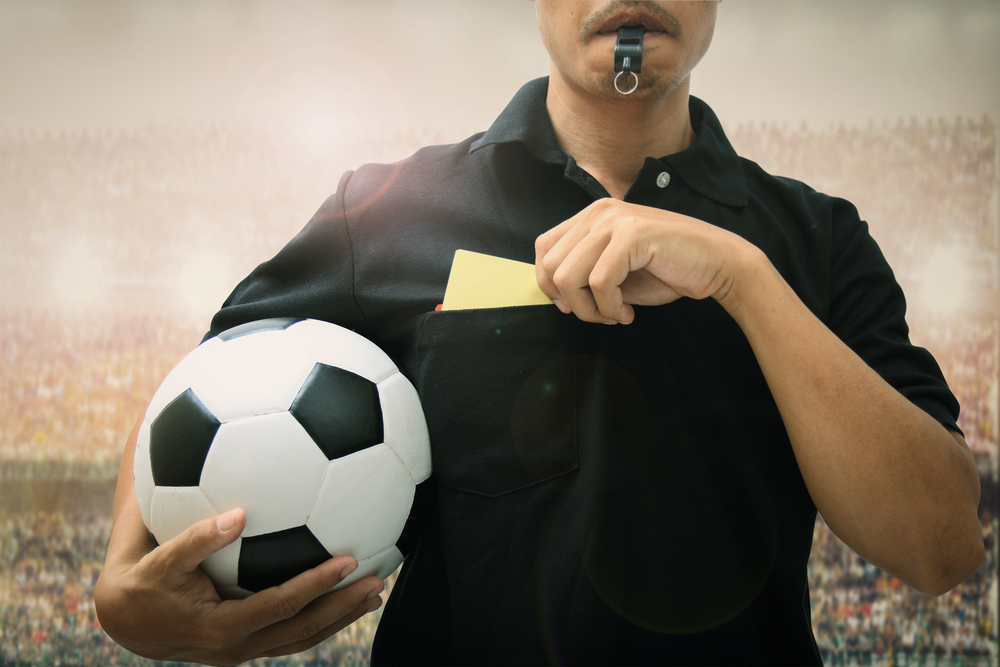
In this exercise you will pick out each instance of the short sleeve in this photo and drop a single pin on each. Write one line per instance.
(868, 312)
(311, 277)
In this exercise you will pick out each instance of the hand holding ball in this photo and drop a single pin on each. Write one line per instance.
(310, 428)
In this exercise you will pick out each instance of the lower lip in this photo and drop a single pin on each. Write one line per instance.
(648, 34)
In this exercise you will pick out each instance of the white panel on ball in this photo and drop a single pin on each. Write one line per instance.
(222, 567)
(381, 565)
(269, 466)
(405, 428)
(175, 508)
(363, 504)
(252, 375)
(180, 378)
(339, 347)
(142, 473)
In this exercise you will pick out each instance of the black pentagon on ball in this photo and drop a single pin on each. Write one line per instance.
(179, 439)
(274, 558)
(340, 410)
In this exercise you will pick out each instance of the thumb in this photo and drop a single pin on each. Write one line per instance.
(186, 551)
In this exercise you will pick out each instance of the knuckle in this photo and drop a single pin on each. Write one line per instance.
(285, 608)
(560, 278)
(603, 204)
(272, 609)
(320, 587)
(309, 630)
(551, 266)
(262, 616)
(196, 536)
(599, 279)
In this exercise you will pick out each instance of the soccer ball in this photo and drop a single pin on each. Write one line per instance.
(310, 428)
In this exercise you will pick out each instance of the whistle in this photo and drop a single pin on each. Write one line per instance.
(628, 50)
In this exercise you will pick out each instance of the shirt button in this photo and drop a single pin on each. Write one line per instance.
(663, 180)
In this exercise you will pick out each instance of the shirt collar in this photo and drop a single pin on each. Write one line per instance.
(709, 166)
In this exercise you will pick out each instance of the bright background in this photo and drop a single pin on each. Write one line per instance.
(323, 75)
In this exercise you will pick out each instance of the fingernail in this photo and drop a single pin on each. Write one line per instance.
(375, 591)
(374, 606)
(561, 305)
(225, 522)
(348, 570)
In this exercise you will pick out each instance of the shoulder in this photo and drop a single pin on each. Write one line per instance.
(784, 193)
(429, 168)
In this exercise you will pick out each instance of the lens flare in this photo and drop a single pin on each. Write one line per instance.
(945, 281)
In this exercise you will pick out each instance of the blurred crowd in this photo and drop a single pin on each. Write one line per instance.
(49, 563)
(72, 387)
(141, 203)
(862, 615)
(925, 180)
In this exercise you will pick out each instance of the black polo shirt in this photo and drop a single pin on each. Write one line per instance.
(603, 494)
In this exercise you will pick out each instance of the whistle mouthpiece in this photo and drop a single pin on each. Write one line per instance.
(628, 50)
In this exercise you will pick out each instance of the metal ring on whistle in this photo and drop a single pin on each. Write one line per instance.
(628, 56)
(635, 82)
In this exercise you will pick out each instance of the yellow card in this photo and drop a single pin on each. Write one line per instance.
(484, 281)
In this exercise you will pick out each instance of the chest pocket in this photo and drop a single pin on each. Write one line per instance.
(498, 388)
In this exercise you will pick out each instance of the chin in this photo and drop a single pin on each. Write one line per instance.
(651, 87)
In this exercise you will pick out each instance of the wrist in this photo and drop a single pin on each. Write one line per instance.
(745, 275)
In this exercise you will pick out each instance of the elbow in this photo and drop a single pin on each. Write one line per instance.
(110, 610)
(964, 560)
(956, 551)
(103, 606)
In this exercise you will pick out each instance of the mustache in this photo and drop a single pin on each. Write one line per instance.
(652, 9)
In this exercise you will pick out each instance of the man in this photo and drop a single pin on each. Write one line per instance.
(642, 493)
(852, 646)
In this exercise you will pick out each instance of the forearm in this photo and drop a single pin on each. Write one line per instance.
(130, 539)
(890, 481)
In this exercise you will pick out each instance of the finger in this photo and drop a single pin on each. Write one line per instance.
(553, 247)
(547, 240)
(561, 240)
(185, 552)
(611, 269)
(272, 606)
(573, 277)
(546, 262)
(548, 287)
(328, 623)
(569, 260)
(338, 608)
